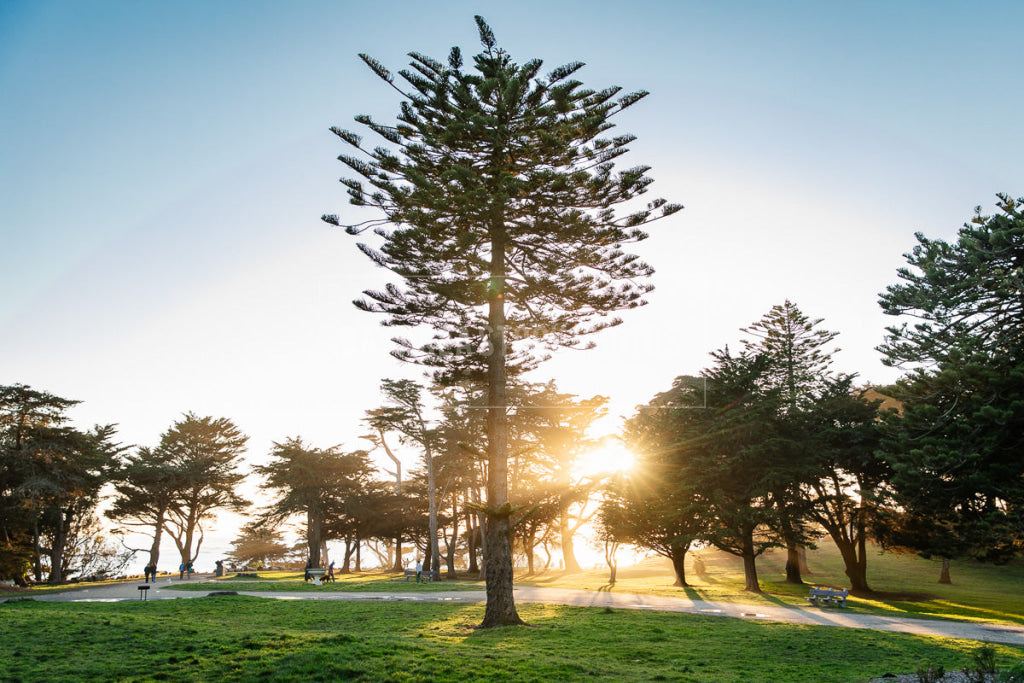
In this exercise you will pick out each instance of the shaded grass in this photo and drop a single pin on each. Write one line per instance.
(905, 585)
(239, 638)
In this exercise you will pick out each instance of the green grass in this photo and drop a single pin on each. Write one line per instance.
(905, 585)
(239, 638)
(292, 582)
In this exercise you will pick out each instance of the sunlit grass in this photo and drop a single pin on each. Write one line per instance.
(238, 638)
(905, 585)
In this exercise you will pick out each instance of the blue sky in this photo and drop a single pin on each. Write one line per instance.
(163, 167)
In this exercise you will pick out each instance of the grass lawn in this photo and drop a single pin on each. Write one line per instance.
(240, 638)
(906, 585)
(364, 582)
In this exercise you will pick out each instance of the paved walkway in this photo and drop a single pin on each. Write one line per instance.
(817, 616)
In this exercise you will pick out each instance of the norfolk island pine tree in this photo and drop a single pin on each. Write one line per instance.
(499, 203)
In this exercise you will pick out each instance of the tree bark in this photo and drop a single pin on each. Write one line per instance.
(501, 606)
(398, 566)
(568, 552)
(610, 548)
(944, 574)
(793, 563)
(802, 557)
(678, 558)
(750, 562)
(471, 542)
(158, 533)
(60, 539)
(314, 537)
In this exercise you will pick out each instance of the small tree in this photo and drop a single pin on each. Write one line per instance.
(500, 193)
(258, 544)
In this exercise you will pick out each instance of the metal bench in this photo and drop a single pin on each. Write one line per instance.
(828, 596)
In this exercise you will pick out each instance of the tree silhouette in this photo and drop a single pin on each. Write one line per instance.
(499, 213)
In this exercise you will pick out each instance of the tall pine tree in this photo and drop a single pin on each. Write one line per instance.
(499, 199)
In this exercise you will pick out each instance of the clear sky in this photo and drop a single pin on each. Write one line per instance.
(163, 168)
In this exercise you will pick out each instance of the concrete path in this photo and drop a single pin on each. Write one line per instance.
(816, 616)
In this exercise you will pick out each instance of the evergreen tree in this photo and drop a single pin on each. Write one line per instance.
(499, 199)
(50, 479)
(203, 453)
(958, 477)
(797, 367)
(309, 482)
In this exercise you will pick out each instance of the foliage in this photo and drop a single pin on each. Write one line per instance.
(145, 484)
(966, 295)
(258, 545)
(50, 479)
(958, 479)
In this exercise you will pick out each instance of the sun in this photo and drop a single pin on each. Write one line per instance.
(608, 458)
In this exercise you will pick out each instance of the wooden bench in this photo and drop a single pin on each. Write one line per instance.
(315, 574)
(828, 596)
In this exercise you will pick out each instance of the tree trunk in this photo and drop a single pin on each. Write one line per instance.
(471, 543)
(856, 567)
(793, 563)
(528, 550)
(944, 575)
(158, 533)
(314, 537)
(750, 563)
(60, 539)
(501, 606)
(568, 553)
(359, 554)
(37, 551)
(398, 554)
(433, 548)
(678, 557)
(804, 567)
(610, 547)
(450, 556)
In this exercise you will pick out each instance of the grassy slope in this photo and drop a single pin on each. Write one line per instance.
(238, 638)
